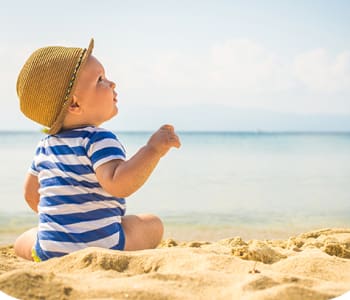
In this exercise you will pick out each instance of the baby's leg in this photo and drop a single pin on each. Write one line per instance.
(25, 242)
(142, 231)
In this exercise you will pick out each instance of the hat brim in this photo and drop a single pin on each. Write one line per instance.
(58, 123)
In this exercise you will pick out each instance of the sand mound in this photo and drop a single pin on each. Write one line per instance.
(313, 265)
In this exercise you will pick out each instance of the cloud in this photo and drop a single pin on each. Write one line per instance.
(242, 73)
(241, 65)
(320, 72)
(244, 65)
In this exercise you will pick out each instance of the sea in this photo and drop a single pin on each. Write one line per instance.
(256, 185)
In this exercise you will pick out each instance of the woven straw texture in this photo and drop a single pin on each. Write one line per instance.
(46, 82)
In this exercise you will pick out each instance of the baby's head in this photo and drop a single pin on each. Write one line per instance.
(61, 87)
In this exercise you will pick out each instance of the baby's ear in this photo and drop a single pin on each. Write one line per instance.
(74, 107)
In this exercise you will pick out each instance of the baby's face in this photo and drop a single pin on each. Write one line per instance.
(95, 94)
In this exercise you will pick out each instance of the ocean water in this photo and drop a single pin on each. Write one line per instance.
(217, 185)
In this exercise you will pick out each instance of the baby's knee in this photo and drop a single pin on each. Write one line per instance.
(17, 246)
(158, 224)
(157, 228)
(24, 244)
(21, 249)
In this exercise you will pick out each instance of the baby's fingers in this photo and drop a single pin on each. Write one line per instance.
(168, 127)
(175, 141)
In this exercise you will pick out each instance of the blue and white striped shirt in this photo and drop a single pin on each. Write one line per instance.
(74, 210)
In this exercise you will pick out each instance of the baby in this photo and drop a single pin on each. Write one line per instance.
(80, 176)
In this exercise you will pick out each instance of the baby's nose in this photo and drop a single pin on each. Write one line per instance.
(113, 85)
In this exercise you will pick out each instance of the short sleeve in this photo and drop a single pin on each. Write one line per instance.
(32, 169)
(104, 146)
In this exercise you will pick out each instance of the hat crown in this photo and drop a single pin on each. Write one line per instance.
(43, 82)
(46, 83)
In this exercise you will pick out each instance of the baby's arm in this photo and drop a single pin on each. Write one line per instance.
(31, 191)
(122, 178)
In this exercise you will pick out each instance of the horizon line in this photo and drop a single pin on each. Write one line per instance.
(257, 131)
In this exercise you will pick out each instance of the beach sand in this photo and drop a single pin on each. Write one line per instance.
(312, 265)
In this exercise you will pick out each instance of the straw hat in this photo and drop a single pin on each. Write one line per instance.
(46, 83)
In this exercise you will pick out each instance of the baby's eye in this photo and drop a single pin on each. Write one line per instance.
(100, 78)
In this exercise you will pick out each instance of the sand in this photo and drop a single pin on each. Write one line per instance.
(313, 265)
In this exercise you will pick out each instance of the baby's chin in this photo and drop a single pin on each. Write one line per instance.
(115, 112)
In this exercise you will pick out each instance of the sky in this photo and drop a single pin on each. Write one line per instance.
(199, 65)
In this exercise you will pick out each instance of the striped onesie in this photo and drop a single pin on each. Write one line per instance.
(74, 210)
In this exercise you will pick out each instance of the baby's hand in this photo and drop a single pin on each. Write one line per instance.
(163, 139)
